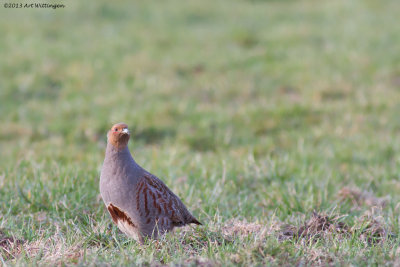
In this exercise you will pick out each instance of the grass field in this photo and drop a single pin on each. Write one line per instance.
(276, 122)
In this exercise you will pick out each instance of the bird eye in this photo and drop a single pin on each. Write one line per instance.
(115, 129)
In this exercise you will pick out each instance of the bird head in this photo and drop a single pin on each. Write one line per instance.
(119, 135)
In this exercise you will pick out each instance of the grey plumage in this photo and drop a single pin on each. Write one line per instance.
(138, 202)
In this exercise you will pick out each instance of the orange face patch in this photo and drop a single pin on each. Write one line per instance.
(119, 135)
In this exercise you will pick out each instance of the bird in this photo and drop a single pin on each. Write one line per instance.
(140, 204)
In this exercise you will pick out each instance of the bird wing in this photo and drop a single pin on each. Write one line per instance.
(158, 200)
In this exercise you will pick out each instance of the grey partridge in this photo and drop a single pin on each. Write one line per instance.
(139, 203)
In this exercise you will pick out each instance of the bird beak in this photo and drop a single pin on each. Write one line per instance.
(125, 131)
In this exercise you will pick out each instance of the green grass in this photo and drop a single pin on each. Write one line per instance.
(256, 113)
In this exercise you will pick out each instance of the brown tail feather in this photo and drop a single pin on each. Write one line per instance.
(195, 221)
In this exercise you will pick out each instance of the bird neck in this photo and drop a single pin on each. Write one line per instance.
(113, 153)
(119, 161)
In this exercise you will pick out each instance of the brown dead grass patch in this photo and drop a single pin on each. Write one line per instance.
(235, 227)
(358, 197)
(320, 225)
(197, 240)
(54, 251)
(241, 229)
(372, 228)
(319, 257)
(10, 247)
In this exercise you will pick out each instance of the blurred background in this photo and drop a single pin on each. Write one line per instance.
(245, 108)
